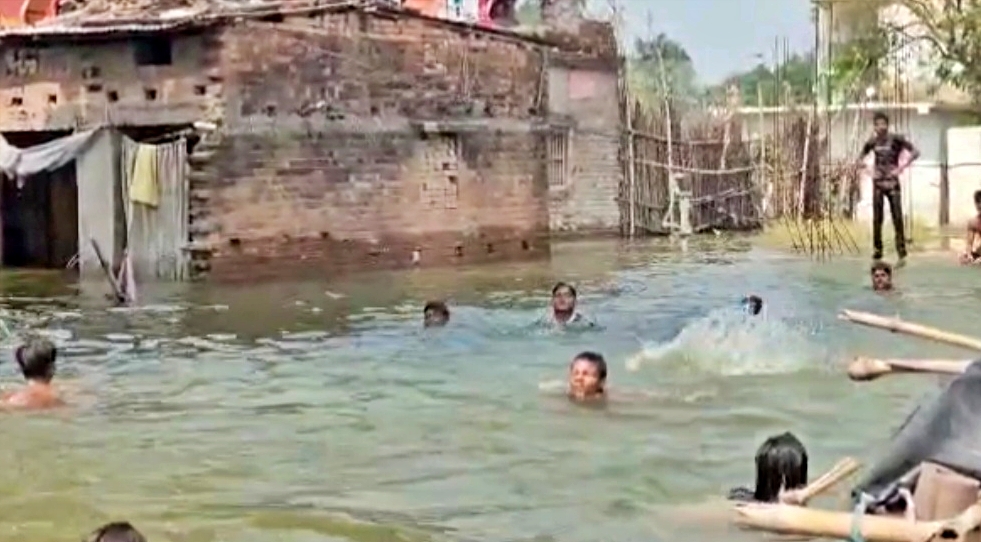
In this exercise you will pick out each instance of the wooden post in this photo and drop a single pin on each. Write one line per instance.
(631, 163)
(667, 117)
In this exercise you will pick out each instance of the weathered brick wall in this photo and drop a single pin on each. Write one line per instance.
(321, 168)
(58, 85)
(585, 202)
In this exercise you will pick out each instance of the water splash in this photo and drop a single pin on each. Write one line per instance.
(730, 343)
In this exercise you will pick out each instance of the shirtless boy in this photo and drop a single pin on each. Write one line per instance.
(972, 254)
(36, 359)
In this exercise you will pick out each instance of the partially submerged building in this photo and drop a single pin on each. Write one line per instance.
(340, 135)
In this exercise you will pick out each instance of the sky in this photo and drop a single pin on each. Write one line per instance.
(723, 37)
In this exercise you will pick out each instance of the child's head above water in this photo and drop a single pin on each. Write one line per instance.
(753, 304)
(117, 531)
(36, 359)
(435, 314)
(781, 463)
(587, 376)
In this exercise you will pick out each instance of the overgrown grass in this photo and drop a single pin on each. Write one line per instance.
(782, 234)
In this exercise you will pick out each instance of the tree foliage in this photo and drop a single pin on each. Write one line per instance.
(951, 28)
(792, 81)
(660, 67)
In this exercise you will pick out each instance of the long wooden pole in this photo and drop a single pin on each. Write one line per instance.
(864, 369)
(797, 520)
(908, 328)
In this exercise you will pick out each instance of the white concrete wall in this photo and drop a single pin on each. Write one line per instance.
(964, 176)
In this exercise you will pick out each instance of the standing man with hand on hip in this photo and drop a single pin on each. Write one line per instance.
(888, 148)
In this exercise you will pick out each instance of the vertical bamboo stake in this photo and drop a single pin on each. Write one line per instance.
(764, 186)
(667, 116)
(631, 162)
(804, 164)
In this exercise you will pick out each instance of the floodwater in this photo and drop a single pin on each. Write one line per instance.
(318, 412)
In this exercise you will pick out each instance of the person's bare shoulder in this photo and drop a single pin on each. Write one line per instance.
(24, 400)
(974, 224)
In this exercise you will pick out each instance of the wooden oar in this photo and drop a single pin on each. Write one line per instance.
(798, 520)
(864, 369)
(826, 481)
(898, 326)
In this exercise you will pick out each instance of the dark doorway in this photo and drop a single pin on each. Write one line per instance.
(39, 213)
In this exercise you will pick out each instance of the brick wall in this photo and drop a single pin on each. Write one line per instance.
(322, 169)
(57, 85)
(584, 201)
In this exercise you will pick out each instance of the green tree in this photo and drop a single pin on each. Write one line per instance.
(951, 27)
(660, 66)
(790, 82)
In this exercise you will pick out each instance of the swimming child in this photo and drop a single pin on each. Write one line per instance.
(781, 465)
(563, 311)
(881, 276)
(587, 377)
(435, 314)
(117, 531)
(36, 359)
(753, 304)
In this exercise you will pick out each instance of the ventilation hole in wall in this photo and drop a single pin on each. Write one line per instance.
(489, 110)
(287, 238)
(458, 251)
(490, 248)
(270, 110)
(150, 94)
(93, 88)
(235, 242)
(452, 179)
(525, 245)
(200, 90)
(325, 235)
(16, 101)
(52, 99)
(113, 96)
(374, 111)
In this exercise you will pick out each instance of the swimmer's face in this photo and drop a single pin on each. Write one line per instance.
(563, 300)
(434, 319)
(584, 380)
(881, 280)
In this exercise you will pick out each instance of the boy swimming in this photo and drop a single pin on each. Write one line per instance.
(587, 378)
(36, 359)
(117, 531)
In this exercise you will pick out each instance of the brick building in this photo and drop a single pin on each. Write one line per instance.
(349, 135)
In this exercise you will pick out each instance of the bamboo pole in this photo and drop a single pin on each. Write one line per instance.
(669, 220)
(908, 328)
(631, 162)
(838, 472)
(865, 369)
(797, 520)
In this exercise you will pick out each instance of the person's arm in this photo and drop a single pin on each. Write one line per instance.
(911, 150)
(972, 228)
(866, 149)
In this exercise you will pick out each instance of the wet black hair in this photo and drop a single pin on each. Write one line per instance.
(881, 266)
(117, 531)
(977, 196)
(438, 307)
(594, 358)
(559, 285)
(36, 359)
(755, 304)
(781, 463)
(879, 115)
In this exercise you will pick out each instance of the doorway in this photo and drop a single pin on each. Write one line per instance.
(39, 214)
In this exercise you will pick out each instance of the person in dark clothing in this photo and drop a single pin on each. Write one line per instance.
(888, 148)
(781, 465)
